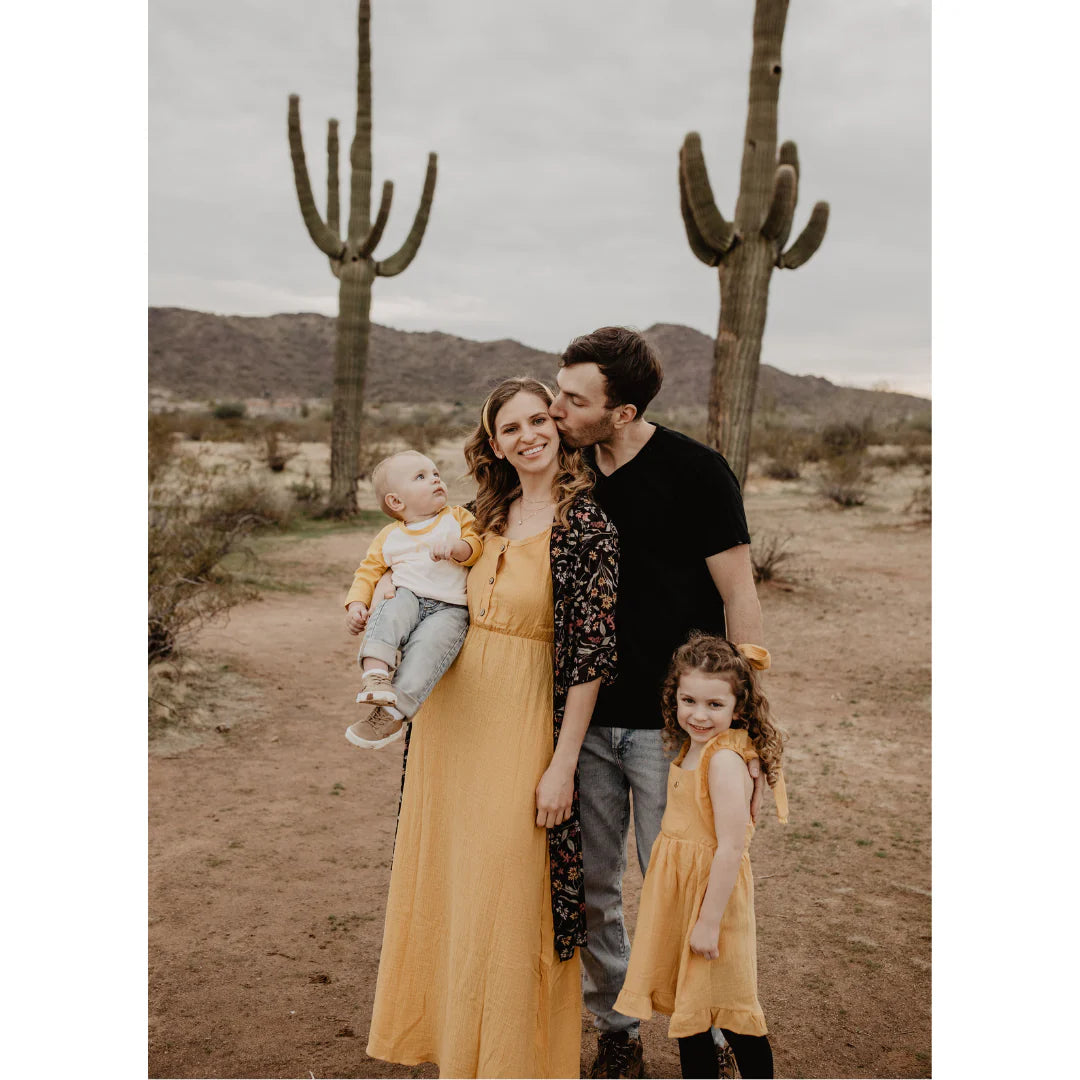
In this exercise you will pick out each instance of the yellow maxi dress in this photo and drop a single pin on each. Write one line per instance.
(468, 976)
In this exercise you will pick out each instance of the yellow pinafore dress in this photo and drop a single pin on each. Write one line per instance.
(663, 973)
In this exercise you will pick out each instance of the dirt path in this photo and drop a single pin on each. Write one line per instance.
(271, 843)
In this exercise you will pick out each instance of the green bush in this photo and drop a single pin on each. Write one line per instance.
(230, 410)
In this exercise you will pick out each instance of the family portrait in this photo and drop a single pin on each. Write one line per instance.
(539, 521)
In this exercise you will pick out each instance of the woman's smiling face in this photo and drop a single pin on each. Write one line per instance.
(524, 434)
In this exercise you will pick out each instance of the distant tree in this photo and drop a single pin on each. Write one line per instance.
(747, 249)
(352, 262)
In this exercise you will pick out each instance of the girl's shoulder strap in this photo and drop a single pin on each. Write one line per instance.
(738, 739)
(735, 739)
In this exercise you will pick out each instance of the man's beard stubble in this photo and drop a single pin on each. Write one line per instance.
(601, 431)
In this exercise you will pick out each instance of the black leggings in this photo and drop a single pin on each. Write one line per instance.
(753, 1055)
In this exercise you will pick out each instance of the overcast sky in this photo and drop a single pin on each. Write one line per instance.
(557, 127)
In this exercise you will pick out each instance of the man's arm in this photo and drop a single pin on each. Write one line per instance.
(733, 576)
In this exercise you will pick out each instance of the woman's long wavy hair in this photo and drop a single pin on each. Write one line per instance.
(496, 479)
(712, 655)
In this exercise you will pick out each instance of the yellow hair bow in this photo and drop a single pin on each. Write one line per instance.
(756, 656)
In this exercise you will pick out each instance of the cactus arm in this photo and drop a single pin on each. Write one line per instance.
(782, 208)
(697, 241)
(360, 151)
(333, 201)
(718, 234)
(375, 235)
(789, 155)
(809, 239)
(407, 252)
(324, 239)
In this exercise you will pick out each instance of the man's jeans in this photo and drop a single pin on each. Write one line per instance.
(613, 762)
(429, 634)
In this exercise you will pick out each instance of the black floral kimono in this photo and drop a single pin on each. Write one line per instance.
(584, 578)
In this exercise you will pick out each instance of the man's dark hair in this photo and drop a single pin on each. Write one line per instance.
(627, 361)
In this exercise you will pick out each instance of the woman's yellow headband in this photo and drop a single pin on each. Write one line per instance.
(486, 420)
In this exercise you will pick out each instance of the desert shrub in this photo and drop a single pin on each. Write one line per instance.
(781, 445)
(844, 478)
(920, 503)
(275, 452)
(912, 431)
(844, 439)
(767, 552)
(371, 453)
(901, 457)
(308, 429)
(229, 410)
(787, 467)
(307, 492)
(920, 456)
(891, 459)
(194, 524)
(160, 446)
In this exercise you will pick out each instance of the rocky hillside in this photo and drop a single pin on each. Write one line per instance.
(197, 356)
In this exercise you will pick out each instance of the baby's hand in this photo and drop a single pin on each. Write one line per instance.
(356, 615)
(704, 940)
(443, 549)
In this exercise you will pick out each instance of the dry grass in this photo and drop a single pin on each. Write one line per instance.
(767, 552)
(195, 523)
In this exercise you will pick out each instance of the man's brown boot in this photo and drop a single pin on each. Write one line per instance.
(617, 1054)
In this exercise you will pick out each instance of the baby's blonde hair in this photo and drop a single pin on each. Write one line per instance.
(382, 481)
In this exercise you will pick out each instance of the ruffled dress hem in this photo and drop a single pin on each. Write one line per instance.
(642, 1006)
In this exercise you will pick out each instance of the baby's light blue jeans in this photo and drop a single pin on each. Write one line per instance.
(429, 634)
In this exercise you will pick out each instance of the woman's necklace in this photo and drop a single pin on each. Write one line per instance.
(523, 517)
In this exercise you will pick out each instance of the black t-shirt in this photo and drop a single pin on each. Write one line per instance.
(674, 504)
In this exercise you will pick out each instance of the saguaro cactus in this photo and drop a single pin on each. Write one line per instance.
(353, 263)
(747, 249)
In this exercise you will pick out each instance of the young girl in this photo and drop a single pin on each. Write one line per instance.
(694, 954)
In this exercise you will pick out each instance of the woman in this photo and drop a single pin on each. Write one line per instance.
(479, 969)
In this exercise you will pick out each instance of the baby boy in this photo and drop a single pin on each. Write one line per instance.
(427, 550)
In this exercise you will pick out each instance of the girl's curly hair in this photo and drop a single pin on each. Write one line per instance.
(712, 655)
(497, 482)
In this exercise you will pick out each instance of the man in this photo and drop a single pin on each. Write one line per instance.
(684, 564)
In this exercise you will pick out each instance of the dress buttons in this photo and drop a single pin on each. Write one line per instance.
(491, 581)
(503, 548)
(482, 611)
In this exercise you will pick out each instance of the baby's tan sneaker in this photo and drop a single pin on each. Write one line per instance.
(376, 729)
(375, 689)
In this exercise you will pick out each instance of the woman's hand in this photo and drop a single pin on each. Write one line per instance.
(554, 795)
(705, 939)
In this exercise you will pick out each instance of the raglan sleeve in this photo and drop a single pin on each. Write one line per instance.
(369, 571)
(467, 524)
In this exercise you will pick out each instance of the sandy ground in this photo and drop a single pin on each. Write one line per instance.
(271, 839)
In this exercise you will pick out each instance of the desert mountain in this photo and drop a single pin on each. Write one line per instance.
(198, 356)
